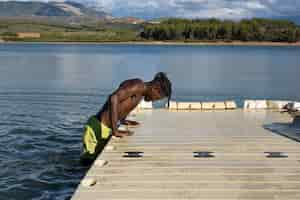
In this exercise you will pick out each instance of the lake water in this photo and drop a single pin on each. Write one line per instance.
(47, 93)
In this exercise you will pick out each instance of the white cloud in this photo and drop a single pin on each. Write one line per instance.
(255, 5)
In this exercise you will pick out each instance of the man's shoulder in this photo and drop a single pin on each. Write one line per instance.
(137, 80)
(133, 82)
(132, 86)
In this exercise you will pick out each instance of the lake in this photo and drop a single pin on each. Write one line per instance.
(47, 92)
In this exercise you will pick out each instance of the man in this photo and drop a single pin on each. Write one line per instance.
(99, 128)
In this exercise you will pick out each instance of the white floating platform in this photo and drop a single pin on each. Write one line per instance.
(166, 165)
(267, 104)
(204, 106)
(277, 105)
(255, 104)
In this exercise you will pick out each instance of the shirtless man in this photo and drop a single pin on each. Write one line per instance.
(99, 128)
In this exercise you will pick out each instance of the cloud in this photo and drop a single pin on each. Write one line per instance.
(233, 9)
(203, 8)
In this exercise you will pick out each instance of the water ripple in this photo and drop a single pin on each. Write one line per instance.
(40, 157)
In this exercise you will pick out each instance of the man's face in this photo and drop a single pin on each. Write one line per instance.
(155, 94)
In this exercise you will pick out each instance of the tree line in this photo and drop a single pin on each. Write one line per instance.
(270, 30)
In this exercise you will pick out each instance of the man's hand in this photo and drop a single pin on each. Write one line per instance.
(122, 133)
(130, 123)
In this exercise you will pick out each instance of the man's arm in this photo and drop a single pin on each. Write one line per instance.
(129, 123)
(126, 90)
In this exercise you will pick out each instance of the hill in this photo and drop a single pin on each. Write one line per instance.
(50, 9)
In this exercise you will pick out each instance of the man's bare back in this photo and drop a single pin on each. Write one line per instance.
(121, 103)
(117, 107)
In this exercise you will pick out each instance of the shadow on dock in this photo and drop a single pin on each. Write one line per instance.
(289, 130)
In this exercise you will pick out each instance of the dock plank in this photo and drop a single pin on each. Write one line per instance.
(168, 169)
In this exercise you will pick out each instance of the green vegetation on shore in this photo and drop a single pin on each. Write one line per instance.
(59, 31)
(101, 36)
(267, 30)
(169, 30)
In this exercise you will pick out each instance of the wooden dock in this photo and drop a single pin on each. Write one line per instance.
(197, 155)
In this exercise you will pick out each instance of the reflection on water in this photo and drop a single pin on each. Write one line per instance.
(47, 92)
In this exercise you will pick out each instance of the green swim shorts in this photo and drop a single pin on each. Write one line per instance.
(95, 137)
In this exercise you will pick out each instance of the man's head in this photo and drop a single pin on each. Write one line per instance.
(159, 88)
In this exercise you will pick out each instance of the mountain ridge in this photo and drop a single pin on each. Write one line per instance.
(48, 9)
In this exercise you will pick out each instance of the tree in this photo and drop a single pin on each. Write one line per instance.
(291, 35)
(298, 34)
(213, 29)
(213, 32)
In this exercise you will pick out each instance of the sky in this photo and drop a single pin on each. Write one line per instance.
(224, 9)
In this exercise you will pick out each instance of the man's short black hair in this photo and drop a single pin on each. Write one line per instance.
(165, 85)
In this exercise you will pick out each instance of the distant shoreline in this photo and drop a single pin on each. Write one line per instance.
(235, 43)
